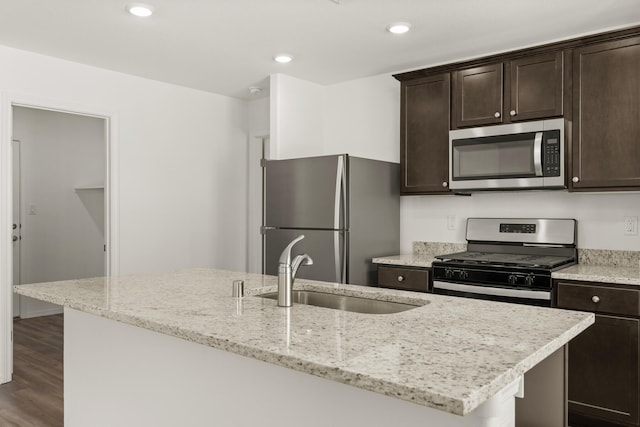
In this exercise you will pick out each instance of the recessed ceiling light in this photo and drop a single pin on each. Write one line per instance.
(283, 58)
(140, 9)
(399, 27)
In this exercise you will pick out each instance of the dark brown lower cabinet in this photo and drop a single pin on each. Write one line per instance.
(603, 370)
(604, 361)
(408, 279)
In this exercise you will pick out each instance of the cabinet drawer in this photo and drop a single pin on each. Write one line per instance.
(602, 299)
(403, 278)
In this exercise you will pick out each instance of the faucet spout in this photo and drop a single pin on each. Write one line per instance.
(287, 271)
(299, 261)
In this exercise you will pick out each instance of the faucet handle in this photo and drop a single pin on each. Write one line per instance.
(285, 256)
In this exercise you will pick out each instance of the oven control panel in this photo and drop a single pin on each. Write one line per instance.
(518, 228)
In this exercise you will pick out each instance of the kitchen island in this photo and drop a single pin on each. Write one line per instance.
(178, 349)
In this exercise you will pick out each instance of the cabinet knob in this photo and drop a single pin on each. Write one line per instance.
(595, 299)
(445, 184)
(496, 115)
(575, 179)
(400, 278)
(512, 112)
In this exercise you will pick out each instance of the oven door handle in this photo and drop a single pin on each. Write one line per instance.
(537, 154)
(485, 290)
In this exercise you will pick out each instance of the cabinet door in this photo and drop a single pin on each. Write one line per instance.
(603, 370)
(424, 135)
(606, 128)
(536, 87)
(478, 96)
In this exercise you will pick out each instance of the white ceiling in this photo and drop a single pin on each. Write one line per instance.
(226, 46)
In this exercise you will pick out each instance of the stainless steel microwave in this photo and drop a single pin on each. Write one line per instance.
(528, 155)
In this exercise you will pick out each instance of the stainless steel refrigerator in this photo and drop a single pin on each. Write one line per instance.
(348, 209)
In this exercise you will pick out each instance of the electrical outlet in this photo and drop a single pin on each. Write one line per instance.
(630, 225)
(451, 222)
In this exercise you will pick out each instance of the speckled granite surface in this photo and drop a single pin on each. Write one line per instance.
(450, 353)
(432, 249)
(603, 265)
(409, 260)
(610, 258)
(423, 255)
(600, 273)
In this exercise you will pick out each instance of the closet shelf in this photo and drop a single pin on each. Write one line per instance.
(89, 187)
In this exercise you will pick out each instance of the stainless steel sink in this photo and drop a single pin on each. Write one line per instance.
(344, 302)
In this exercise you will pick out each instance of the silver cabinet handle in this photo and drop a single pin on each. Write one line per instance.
(575, 179)
(445, 184)
(595, 299)
(513, 113)
(496, 115)
(400, 278)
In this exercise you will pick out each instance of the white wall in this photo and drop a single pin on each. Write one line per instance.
(182, 160)
(297, 118)
(362, 118)
(63, 237)
(600, 215)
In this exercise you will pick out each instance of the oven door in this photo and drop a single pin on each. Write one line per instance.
(513, 295)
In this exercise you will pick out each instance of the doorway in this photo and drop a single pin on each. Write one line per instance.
(84, 193)
(59, 200)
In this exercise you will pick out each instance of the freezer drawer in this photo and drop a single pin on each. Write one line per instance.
(325, 247)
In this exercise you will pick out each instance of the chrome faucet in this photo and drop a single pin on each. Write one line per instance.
(287, 270)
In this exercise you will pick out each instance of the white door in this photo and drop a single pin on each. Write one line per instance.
(16, 223)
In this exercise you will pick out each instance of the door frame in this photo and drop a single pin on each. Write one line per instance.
(7, 102)
(257, 152)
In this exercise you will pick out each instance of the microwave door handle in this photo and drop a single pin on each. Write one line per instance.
(537, 154)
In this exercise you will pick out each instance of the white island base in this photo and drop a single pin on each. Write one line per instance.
(121, 375)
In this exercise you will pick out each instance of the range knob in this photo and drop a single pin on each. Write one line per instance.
(448, 272)
(528, 280)
(464, 274)
(512, 279)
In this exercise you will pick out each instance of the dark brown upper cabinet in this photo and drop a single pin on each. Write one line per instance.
(478, 96)
(536, 86)
(531, 88)
(605, 148)
(424, 135)
(593, 82)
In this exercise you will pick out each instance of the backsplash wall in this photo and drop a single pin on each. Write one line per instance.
(600, 215)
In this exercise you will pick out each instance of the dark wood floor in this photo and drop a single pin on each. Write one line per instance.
(34, 397)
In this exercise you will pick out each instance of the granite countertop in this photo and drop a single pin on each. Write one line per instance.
(407, 260)
(600, 273)
(450, 353)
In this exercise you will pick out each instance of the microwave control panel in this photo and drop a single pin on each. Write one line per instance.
(551, 153)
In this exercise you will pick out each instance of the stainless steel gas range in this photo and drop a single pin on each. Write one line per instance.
(508, 260)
